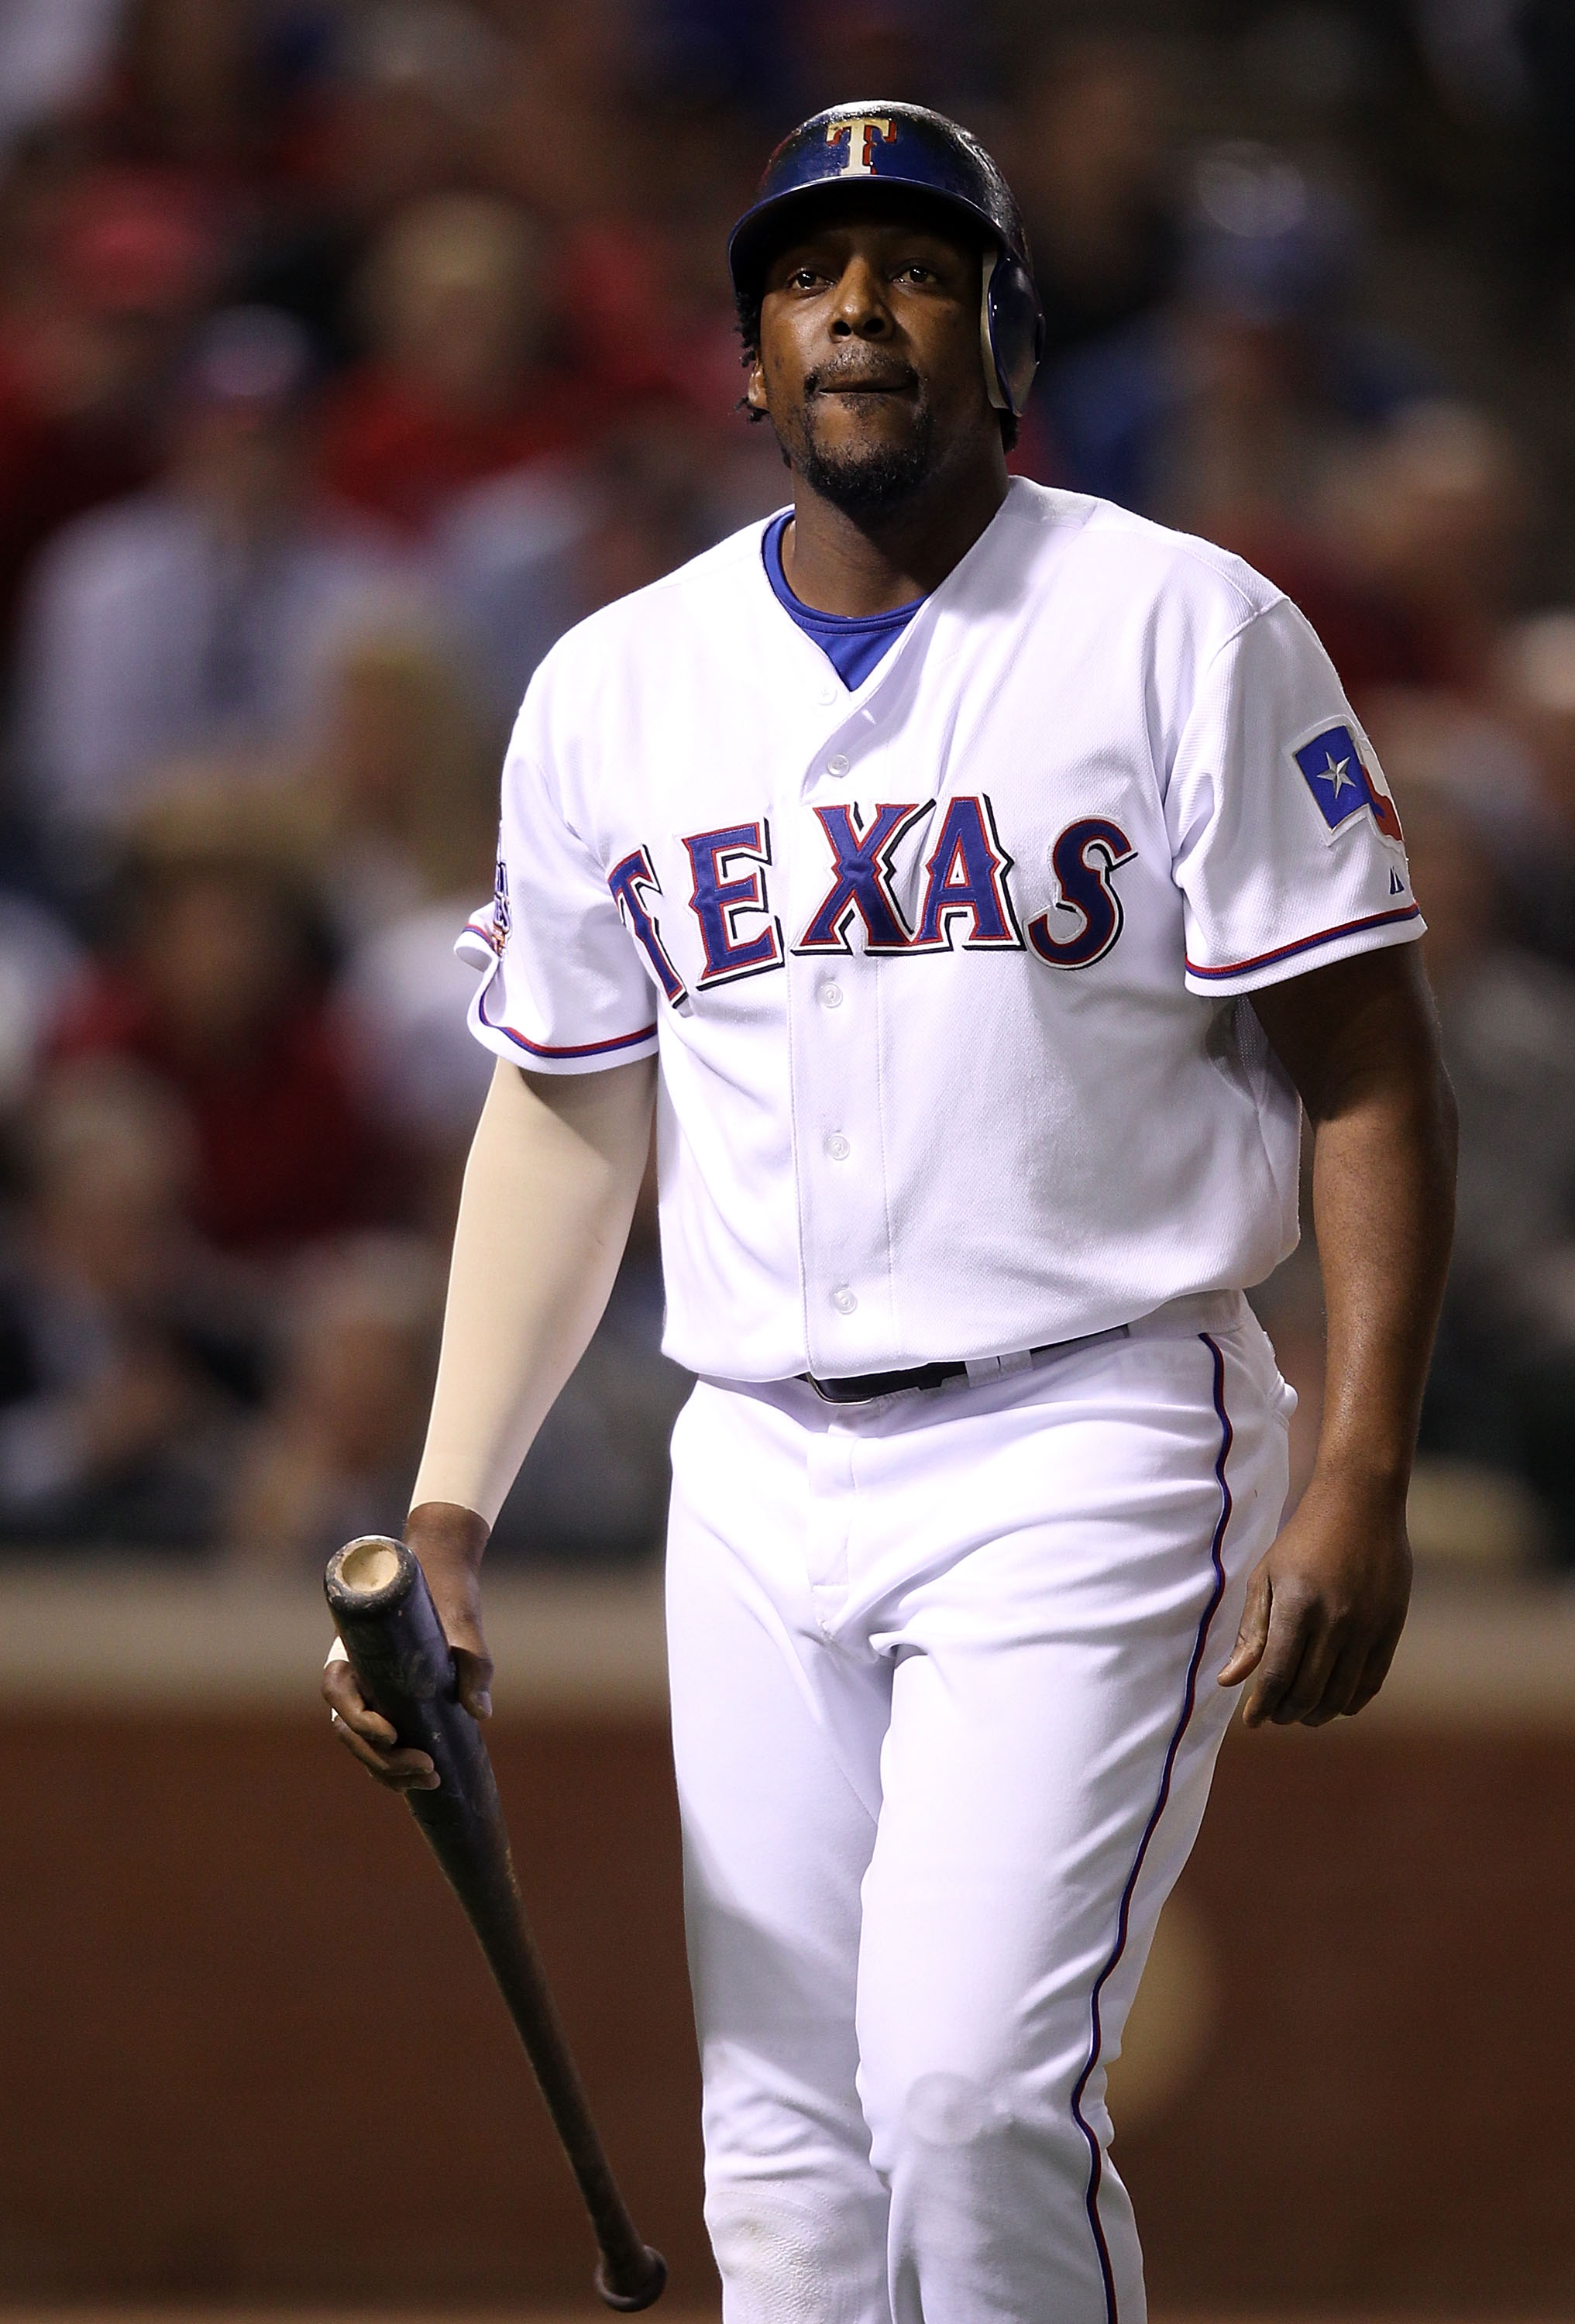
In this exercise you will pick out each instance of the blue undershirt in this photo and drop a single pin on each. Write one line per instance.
(852, 642)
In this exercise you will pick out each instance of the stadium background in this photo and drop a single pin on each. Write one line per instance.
(349, 351)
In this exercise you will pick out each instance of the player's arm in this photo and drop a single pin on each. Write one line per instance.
(1325, 1608)
(550, 1191)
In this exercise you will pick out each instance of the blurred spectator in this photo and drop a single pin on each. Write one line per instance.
(1222, 411)
(1544, 32)
(644, 288)
(398, 110)
(400, 790)
(506, 554)
(651, 319)
(1215, 398)
(40, 961)
(1475, 753)
(595, 1481)
(52, 53)
(1503, 1385)
(1092, 160)
(527, 556)
(115, 1426)
(739, 59)
(406, 789)
(920, 48)
(189, 88)
(1428, 516)
(215, 987)
(86, 350)
(1501, 1395)
(456, 387)
(192, 616)
(404, 998)
(564, 137)
(1468, 751)
(622, 128)
(1536, 688)
(335, 1454)
(1537, 678)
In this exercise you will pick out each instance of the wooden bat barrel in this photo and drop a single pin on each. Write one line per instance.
(384, 1611)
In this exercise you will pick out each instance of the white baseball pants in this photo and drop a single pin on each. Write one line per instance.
(944, 1720)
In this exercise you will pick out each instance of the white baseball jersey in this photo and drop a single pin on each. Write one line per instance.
(944, 973)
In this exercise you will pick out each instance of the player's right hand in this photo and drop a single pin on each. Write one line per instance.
(448, 1542)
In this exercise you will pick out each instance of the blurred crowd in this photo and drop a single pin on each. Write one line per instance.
(350, 350)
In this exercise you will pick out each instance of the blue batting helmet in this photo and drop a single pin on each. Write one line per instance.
(882, 143)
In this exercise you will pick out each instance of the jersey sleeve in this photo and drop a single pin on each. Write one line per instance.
(1285, 842)
(563, 989)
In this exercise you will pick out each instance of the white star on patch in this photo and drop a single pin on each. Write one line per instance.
(1333, 773)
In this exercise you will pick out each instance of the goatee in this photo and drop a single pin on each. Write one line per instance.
(866, 480)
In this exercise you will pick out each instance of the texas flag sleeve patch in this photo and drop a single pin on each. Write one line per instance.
(1334, 771)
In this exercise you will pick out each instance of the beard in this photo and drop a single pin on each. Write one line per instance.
(864, 480)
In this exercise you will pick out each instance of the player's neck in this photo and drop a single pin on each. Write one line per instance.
(862, 564)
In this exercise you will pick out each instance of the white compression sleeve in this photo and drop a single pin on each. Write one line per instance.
(550, 1191)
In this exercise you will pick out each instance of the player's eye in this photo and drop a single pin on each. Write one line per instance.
(915, 271)
(802, 277)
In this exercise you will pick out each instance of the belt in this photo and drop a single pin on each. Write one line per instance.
(863, 1388)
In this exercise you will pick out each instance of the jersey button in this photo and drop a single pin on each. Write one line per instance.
(837, 764)
(831, 996)
(843, 1300)
(837, 1147)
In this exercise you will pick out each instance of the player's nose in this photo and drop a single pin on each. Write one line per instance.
(859, 308)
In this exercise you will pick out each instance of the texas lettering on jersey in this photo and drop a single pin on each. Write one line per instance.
(966, 902)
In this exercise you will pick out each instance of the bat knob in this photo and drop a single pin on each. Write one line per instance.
(650, 2276)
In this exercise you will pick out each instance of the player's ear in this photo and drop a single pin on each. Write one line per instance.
(755, 392)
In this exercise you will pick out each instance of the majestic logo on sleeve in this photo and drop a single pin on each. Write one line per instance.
(1331, 767)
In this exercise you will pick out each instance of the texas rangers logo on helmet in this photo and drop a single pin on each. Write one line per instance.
(862, 132)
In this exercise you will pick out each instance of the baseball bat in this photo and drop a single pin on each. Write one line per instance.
(377, 1594)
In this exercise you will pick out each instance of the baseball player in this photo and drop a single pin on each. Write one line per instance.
(978, 880)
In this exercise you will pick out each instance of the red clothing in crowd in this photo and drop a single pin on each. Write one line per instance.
(285, 1153)
(52, 467)
(83, 371)
(1371, 639)
(388, 448)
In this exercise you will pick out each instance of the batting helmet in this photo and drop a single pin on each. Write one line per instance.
(907, 145)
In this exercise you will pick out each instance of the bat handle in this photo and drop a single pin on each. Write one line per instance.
(635, 2281)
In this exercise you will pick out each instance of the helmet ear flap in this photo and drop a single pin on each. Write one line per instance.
(1011, 329)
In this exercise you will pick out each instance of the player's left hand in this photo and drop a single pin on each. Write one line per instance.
(1325, 1610)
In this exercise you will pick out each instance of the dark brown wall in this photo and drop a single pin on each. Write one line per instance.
(249, 2048)
(1385, 2114)
(256, 2049)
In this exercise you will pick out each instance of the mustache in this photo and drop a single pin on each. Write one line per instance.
(859, 378)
